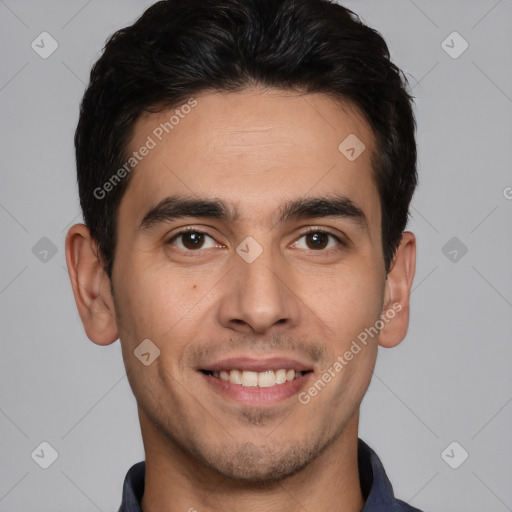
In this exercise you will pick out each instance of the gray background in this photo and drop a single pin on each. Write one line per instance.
(450, 380)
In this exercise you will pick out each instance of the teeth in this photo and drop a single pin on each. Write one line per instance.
(235, 377)
(249, 379)
(264, 379)
(280, 376)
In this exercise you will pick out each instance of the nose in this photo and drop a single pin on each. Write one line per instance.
(259, 296)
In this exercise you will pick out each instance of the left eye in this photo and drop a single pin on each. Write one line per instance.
(319, 240)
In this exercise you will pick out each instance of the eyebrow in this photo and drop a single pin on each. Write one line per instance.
(175, 207)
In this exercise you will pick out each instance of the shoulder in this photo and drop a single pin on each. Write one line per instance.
(405, 507)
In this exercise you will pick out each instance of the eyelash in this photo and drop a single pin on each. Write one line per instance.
(308, 231)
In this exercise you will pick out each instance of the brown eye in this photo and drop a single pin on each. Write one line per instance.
(192, 241)
(317, 240)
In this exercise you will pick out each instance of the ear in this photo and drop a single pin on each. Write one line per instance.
(397, 293)
(91, 286)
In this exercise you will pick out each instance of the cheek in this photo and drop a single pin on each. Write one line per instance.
(168, 308)
(348, 299)
(156, 297)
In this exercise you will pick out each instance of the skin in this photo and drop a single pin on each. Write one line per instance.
(254, 150)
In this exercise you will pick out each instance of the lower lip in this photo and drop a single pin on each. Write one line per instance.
(256, 395)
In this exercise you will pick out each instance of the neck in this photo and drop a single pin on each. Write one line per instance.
(177, 482)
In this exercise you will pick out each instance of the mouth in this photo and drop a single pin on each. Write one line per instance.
(250, 381)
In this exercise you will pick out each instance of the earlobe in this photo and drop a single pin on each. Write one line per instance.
(397, 294)
(91, 286)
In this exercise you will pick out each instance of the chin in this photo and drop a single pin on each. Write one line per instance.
(255, 465)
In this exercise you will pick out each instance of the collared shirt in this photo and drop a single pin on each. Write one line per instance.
(375, 485)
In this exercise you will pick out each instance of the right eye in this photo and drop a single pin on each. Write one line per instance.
(192, 240)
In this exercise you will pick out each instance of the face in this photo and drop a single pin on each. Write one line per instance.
(267, 275)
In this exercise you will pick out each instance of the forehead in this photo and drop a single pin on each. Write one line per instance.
(254, 149)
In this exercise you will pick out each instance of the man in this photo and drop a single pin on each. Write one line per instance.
(245, 169)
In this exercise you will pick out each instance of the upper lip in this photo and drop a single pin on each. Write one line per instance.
(257, 365)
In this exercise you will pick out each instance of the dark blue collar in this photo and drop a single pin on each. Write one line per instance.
(375, 485)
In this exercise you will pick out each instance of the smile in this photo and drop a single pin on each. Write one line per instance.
(264, 379)
(251, 381)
